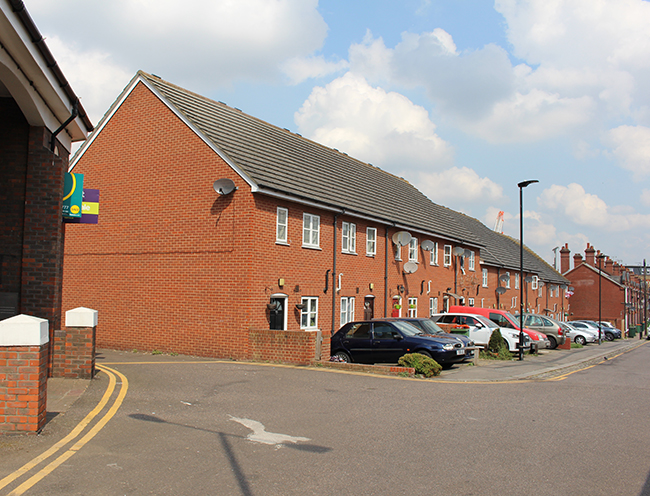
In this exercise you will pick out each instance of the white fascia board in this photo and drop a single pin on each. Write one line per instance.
(118, 103)
(48, 104)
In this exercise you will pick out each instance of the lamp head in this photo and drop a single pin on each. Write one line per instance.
(523, 184)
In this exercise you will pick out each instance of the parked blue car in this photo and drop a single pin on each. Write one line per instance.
(385, 341)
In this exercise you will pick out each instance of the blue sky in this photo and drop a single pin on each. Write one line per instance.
(463, 98)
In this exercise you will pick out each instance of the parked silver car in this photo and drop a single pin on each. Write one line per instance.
(580, 336)
(547, 325)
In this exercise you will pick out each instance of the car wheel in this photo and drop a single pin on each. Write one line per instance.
(609, 336)
(343, 356)
(552, 341)
(425, 353)
(580, 340)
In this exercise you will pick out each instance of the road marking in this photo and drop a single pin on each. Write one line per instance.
(259, 434)
(76, 432)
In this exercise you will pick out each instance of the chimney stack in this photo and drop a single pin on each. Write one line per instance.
(590, 255)
(565, 260)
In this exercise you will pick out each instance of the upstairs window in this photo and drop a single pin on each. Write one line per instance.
(535, 283)
(434, 254)
(447, 256)
(517, 281)
(485, 278)
(371, 241)
(310, 230)
(508, 280)
(472, 261)
(282, 227)
(349, 238)
(413, 250)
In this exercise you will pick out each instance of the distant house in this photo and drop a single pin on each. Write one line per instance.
(223, 235)
(40, 118)
(601, 286)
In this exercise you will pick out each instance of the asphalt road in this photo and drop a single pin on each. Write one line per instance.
(182, 430)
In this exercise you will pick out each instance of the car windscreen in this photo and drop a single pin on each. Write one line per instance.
(406, 329)
(430, 327)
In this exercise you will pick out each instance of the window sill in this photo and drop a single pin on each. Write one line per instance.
(349, 253)
(308, 247)
(282, 243)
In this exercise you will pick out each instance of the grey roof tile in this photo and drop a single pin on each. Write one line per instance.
(281, 161)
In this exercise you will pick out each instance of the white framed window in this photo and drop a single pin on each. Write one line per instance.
(413, 250)
(535, 283)
(513, 303)
(447, 256)
(508, 280)
(349, 238)
(309, 314)
(347, 309)
(413, 307)
(485, 278)
(482, 302)
(470, 302)
(434, 254)
(310, 230)
(472, 261)
(371, 241)
(517, 281)
(433, 306)
(282, 226)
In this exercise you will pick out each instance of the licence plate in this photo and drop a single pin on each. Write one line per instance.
(460, 352)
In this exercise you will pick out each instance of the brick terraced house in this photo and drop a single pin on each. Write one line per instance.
(222, 235)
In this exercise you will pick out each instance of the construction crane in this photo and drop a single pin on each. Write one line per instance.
(498, 224)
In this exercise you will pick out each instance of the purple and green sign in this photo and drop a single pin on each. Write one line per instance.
(89, 208)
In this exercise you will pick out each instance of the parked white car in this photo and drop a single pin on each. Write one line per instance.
(479, 329)
(582, 333)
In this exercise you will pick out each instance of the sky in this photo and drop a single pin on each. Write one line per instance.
(463, 98)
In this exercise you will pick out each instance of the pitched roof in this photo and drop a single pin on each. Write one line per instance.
(503, 251)
(277, 161)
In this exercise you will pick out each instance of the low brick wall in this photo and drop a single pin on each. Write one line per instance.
(73, 353)
(370, 369)
(23, 388)
(297, 347)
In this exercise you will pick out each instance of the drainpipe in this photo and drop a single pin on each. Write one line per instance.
(336, 216)
(498, 284)
(73, 116)
(386, 273)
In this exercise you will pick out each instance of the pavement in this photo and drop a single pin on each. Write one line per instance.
(62, 393)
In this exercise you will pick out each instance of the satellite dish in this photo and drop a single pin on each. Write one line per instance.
(504, 277)
(500, 290)
(458, 251)
(563, 286)
(427, 245)
(528, 279)
(541, 284)
(401, 238)
(467, 253)
(224, 186)
(410, 267)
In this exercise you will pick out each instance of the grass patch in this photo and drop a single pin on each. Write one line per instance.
(576, 345)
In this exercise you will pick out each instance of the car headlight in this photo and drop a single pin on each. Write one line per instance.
(448, 346)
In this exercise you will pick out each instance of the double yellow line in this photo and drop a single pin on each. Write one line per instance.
(76, 432)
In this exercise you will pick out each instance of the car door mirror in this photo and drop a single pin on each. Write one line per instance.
(397, 336)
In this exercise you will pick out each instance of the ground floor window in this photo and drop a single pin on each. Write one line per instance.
(470, 302)
(347, 309)
(433, 306)
(413, 307)
(309, 314)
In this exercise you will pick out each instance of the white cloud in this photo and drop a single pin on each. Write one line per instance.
(645, 197)
(299, 69)
(586, 209)
(458, 186)
(631, 148)
(373, 125)
(199, 43)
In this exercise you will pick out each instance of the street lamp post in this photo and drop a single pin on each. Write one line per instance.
(521, 186)
(600, 318)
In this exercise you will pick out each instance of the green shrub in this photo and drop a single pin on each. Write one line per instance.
(496, 342)
(423, 365)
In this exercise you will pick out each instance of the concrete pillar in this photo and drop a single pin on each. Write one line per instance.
(24, 342)
(73, 354)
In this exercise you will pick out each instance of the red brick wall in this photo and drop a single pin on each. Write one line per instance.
(73, 353)
(297, 347)
(23, 388)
